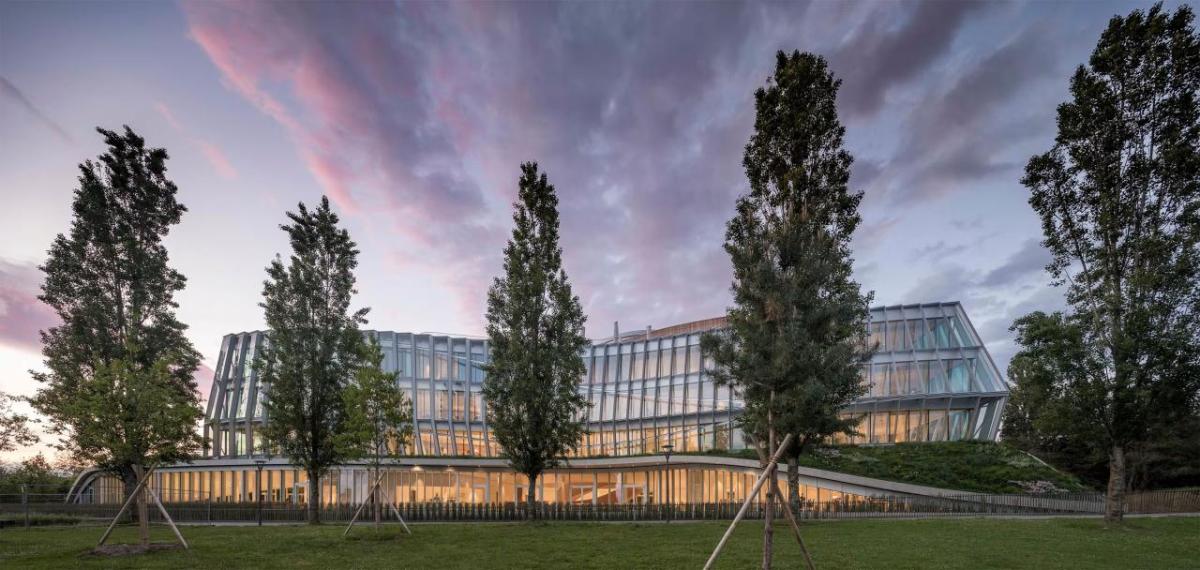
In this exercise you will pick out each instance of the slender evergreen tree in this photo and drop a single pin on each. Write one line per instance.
(535, 326)
(379, 416)
(313, 346)
(110, 284)
(796, 336)
(1119, 199)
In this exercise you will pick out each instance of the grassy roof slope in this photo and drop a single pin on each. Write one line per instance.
(982, 467)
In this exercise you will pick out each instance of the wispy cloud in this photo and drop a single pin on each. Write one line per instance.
(1030, 260)
(12, 93)
(216, 157)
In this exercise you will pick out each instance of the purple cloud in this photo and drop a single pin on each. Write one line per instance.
(942, 152)
(389, 106)
(882, 55)
(421, 113)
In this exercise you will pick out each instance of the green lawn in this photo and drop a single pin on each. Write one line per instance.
(964, 543)
(978, 466)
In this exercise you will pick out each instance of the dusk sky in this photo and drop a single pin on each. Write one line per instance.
(414, 117)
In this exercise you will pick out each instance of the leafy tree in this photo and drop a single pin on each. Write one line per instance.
(379, 416)
(1047, 417)
(34, 475)
(1039, 413)
(313, 345)
(119, 343)
(796, 336)
(147, 419)
(1170, 456)
(14, 427)
(1119, 200)
(535, 325)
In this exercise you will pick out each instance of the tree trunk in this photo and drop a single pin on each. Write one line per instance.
(375, 499)
(314, 497)
(1114, 500)
(769, 521)
(129, 480)
(793, 481)
(143, 511)
(530, 497)
(769, 511)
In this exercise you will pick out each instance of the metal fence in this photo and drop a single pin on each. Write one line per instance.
(32, 509)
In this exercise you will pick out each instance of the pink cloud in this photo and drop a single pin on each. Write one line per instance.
(211, 152)
(169, 115)
(333, 178)
(204, 380)
(395, 115)
(355, 103)
(216, 157)
(22, 314)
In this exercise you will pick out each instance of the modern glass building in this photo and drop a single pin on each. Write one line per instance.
(930, 380)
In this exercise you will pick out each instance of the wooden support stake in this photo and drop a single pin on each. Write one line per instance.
(787, 509)
(395, 510)
(362, 506)
(762, 478)
(356, 513)
(170, 522)
(136, 489)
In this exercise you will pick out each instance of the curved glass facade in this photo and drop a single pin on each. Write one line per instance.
(930, 380)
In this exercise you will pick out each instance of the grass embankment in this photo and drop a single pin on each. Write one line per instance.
(982, 467)
(974, 543)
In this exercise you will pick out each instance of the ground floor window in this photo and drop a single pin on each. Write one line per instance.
(684, 484)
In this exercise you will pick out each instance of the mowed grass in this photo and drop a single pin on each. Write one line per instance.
(961, 543)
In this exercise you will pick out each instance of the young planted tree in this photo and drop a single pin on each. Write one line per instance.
(1119, 200)
(14, 427)
(535, 326)
(379, 416)
(145, 416)
(796, 336)
(119, 344)
(313, 346)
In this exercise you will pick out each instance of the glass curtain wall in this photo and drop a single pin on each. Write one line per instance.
(650, 388)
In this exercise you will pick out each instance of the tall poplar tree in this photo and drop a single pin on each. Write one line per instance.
(796, 336)
(313, 347)
(1119, 199)
(119, 345)
(535, 326)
